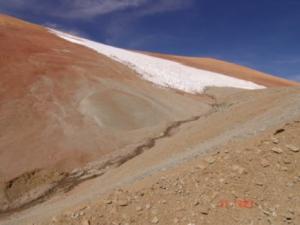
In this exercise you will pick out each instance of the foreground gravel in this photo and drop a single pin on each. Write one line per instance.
(256, 181)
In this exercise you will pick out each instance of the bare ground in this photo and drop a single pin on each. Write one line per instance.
(255, 181)
(243, 119)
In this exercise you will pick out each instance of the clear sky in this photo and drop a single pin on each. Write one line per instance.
(262, 34)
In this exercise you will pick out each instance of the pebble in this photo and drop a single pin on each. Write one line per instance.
(264, 162)
(287, 160)
(238, 168)
(259, 183)
(155, 220)
(283, 168)
(201, 166)
(123, 203)
(279, 131)
(210, 160)
(204, 210)
(75, 215)
(138, 208)
(277, 150)
(163, 201)
(293, 148)
(275, 140)
(108, 202)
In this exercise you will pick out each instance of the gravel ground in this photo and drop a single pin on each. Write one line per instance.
(249, 116)
(252, 182)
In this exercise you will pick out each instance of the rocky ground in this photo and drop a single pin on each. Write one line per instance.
(237, 164)
(252, 182)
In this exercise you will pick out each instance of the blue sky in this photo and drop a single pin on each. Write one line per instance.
(262, 34)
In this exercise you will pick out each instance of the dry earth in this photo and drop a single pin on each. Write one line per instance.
(83, 140)
(240, 121)
(256, 181)
(51, 92)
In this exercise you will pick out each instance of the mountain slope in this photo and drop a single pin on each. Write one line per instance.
(79, 119)
(184, 73)
(57, 97)
(230, 69)
(65, 104)
(164, 72)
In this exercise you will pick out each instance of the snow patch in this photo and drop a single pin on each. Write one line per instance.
(163, 72)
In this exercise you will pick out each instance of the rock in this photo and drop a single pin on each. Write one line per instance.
(85, 222)
(176, 220)
(204, 210)
(155, 220)
(264, 162)
(287, 160)
(108, 202)
(163, 202)
(210, 160)
(289, 216)
(239, 169)
(275, 140)
(85, 207)
(259, 183)
(77, 173)
(279, 131)
(148, 206)
(196, 203)
(122, 203)
(293, 148)
(75, 215)
(277, 150)
(138, 208)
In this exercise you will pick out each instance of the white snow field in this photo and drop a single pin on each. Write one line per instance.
(163, 72)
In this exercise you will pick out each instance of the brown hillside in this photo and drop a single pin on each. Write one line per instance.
(63, 105)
